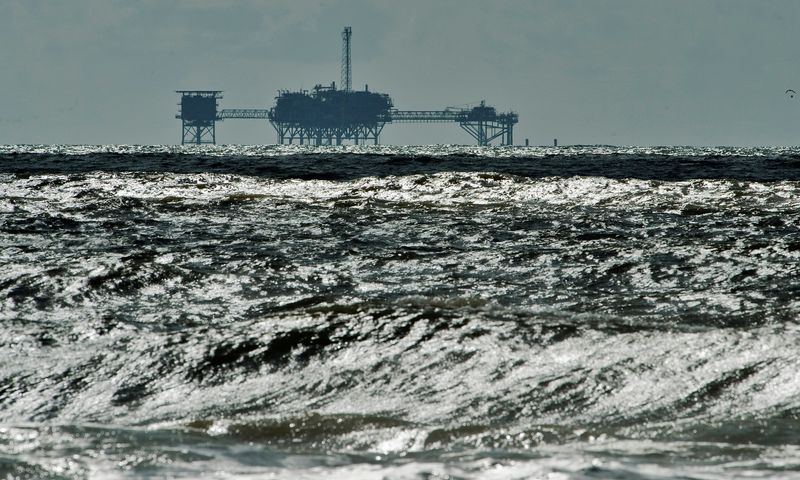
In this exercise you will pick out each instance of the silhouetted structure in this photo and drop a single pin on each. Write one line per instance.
(482, 122)
(327, 115)
(198, 116)
(347, 70)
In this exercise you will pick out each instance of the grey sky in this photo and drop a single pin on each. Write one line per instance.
(625, 72)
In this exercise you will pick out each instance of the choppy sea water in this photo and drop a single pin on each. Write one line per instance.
(399, 312)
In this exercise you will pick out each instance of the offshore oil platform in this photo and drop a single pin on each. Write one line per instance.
(328, 115)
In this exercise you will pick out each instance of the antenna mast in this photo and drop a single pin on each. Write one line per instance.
(347, 80)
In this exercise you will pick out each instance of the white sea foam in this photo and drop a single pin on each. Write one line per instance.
(472, 323)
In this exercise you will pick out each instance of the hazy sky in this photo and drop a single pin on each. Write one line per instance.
(623, 72)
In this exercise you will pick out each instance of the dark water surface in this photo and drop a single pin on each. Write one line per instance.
(399, 312)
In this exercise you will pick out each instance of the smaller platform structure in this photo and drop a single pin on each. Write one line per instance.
(482, 122)
(198, 116)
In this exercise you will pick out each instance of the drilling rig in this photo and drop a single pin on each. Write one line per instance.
(327, 115)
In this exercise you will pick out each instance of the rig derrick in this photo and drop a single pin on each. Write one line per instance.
(327, 115)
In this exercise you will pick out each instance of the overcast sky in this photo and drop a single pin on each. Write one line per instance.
(622, 72)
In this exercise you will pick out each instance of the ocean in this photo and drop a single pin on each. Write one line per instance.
(441, 312)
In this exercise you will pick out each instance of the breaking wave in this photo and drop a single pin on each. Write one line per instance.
(592, 312)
